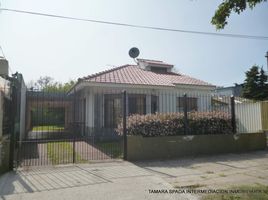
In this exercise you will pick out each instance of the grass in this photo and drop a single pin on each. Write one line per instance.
(61, 153)
(48, 128)
(113, 149)
(247, 192)
(222, 175)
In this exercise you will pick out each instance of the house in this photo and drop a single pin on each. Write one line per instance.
(235, 90)
(151, 87)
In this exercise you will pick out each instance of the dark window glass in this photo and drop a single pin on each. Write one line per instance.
(159, 69)
(136, 104)
(191, 104)
(154, 104)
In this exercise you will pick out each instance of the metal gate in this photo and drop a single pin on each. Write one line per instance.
(57, 130)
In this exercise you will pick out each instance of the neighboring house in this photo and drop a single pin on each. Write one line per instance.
(235, 90)
(151, 87)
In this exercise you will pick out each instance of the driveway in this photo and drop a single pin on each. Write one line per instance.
(125, 180)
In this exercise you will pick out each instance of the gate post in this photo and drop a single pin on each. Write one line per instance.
(185, 109)
(125, 123)
(75, 127)
(73, 150)
(13, 122)
(233, 121)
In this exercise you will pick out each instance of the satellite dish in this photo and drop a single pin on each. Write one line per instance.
(134, 52)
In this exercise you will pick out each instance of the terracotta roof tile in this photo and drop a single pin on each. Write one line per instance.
(132, 74)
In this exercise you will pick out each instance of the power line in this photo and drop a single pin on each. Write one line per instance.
(139, 26)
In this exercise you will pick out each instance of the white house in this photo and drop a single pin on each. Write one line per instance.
(151, 87)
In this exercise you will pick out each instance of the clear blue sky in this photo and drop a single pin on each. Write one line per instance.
(63, 49)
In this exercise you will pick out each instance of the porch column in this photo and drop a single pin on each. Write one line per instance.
(89, 110)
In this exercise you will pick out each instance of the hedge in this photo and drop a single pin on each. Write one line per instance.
(168, 124)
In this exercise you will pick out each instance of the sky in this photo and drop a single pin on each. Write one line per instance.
(63, 49)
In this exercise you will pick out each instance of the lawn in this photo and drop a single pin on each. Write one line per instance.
(62, 153)
(48, 128)
(246, 192)
(113, 149)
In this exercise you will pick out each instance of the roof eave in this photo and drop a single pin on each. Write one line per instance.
(84, 83)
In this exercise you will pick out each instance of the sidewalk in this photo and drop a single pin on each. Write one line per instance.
(117, 180)
(125, 180)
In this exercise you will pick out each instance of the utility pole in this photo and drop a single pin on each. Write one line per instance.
(267, 59)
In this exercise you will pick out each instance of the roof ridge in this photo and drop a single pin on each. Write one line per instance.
(149, 59)
(105, 71)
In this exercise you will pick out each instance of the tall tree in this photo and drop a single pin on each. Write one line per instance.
(262, 85)
(228, 6)
(255, 85)
(250, 88)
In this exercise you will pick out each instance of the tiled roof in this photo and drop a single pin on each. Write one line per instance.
(132, 74)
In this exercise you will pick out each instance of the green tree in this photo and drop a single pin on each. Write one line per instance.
(255, 85)
(250, 88)
(43, 82)
(262, 85)
(48, 84)
(228, 6)
(59, 87)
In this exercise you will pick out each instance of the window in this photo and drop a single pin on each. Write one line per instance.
(159, 70)
(191, 104)
(154, 104)
(136, 104)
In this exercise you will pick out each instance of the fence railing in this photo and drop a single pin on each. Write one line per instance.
(101, 112)
(66, 151)
(178, 114)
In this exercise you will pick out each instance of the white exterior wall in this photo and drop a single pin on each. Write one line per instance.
(167, 99)
(167, 102)
(248, 116)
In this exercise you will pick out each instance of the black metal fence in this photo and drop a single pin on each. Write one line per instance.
(66, 151)
(57, 131)
(78, 126)
(162, 114)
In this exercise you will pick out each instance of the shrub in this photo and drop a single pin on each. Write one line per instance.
(167, 124)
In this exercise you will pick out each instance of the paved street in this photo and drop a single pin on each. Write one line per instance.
(124, 180)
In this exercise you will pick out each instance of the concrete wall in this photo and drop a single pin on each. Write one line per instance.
(148, 148)
(4, 92)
